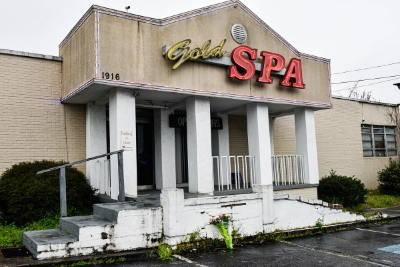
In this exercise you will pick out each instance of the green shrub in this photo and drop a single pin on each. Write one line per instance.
(389, 179)
(26, 197)
(2, 220)
(348, 191)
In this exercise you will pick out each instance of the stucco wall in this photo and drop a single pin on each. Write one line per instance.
(132, 49)
(79, 58)
(34, 124)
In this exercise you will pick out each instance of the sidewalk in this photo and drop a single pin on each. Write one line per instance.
(392, 212)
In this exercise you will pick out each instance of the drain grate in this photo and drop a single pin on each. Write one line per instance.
(239, 33)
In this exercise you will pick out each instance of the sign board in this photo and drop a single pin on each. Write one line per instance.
(179, 121)
(126, 140)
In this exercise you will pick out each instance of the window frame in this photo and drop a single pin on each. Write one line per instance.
(385, 133)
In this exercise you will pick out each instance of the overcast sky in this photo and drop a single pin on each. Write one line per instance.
(354, 34)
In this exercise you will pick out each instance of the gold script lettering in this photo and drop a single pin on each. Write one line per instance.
(196, 53)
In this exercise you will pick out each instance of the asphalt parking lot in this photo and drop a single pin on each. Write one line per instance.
(366, 246)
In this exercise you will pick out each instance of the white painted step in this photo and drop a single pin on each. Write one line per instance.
(80, 225)
(47, 240)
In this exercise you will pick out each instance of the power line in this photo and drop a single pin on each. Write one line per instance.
(367, 68)
(367, 84)
(368, 79)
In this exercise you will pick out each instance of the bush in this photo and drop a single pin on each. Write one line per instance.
(2, 220)
(26, 197)
(389, 179)
(348, 191)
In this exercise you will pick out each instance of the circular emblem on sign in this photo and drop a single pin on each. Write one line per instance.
(239, 33)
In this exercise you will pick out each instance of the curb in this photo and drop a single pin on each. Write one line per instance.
(126, 254)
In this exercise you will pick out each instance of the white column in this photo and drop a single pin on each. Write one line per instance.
(96, 143)
(122, 109)
(267, 192)
(199, 145)
(220, 144)
(173, 206)
(271, 134)
(164, 146)
(259, 141)
(306, 143)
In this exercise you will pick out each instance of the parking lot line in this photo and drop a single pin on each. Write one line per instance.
(188, 261)
(332, 253)
(377, 231)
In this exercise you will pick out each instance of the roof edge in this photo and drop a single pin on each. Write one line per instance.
(27, 54)
(365, 101)
(185, 15)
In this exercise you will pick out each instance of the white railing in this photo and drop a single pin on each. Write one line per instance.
(234, 172)
(288, 170)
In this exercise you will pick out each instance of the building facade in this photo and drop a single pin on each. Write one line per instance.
(212, 100)
(114, 82)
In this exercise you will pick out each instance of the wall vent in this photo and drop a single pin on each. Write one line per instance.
(239, 33)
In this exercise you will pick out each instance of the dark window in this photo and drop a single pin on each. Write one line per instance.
(379, 141)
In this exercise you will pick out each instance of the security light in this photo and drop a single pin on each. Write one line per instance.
(127, 8)
(397, 84)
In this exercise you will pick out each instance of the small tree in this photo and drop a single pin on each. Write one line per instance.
(389, 179)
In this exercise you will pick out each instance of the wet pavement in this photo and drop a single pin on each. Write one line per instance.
(365, 246)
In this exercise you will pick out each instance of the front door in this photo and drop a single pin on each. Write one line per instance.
(145, 149)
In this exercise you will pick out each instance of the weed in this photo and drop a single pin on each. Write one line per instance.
(164, 252)
(110, 260)
(195, 236)
(319, 223)
(81, 263)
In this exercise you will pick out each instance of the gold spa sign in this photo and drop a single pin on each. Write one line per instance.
(181, 52)
(241, 67)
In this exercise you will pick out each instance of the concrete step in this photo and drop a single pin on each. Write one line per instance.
(47, 240)
(126, 212)
(82, 225)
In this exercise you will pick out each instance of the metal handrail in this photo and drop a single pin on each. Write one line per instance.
(63, 186)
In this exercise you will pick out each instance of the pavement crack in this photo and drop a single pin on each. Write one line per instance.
(188, 260)
(332, 253)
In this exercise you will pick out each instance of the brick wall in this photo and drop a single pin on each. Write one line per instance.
(238, 145)
(34, 125)
(310, 193)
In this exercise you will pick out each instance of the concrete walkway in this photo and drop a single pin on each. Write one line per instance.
(391, 212)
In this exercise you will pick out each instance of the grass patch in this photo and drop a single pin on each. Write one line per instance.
(11, 235)
(93, 261)
(376, 200)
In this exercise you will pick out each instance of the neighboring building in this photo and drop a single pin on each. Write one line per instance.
(209, 124)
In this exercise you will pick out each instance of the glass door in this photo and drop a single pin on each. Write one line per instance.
(145, 149)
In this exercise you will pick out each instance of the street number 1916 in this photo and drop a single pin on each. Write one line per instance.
(108, 76)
